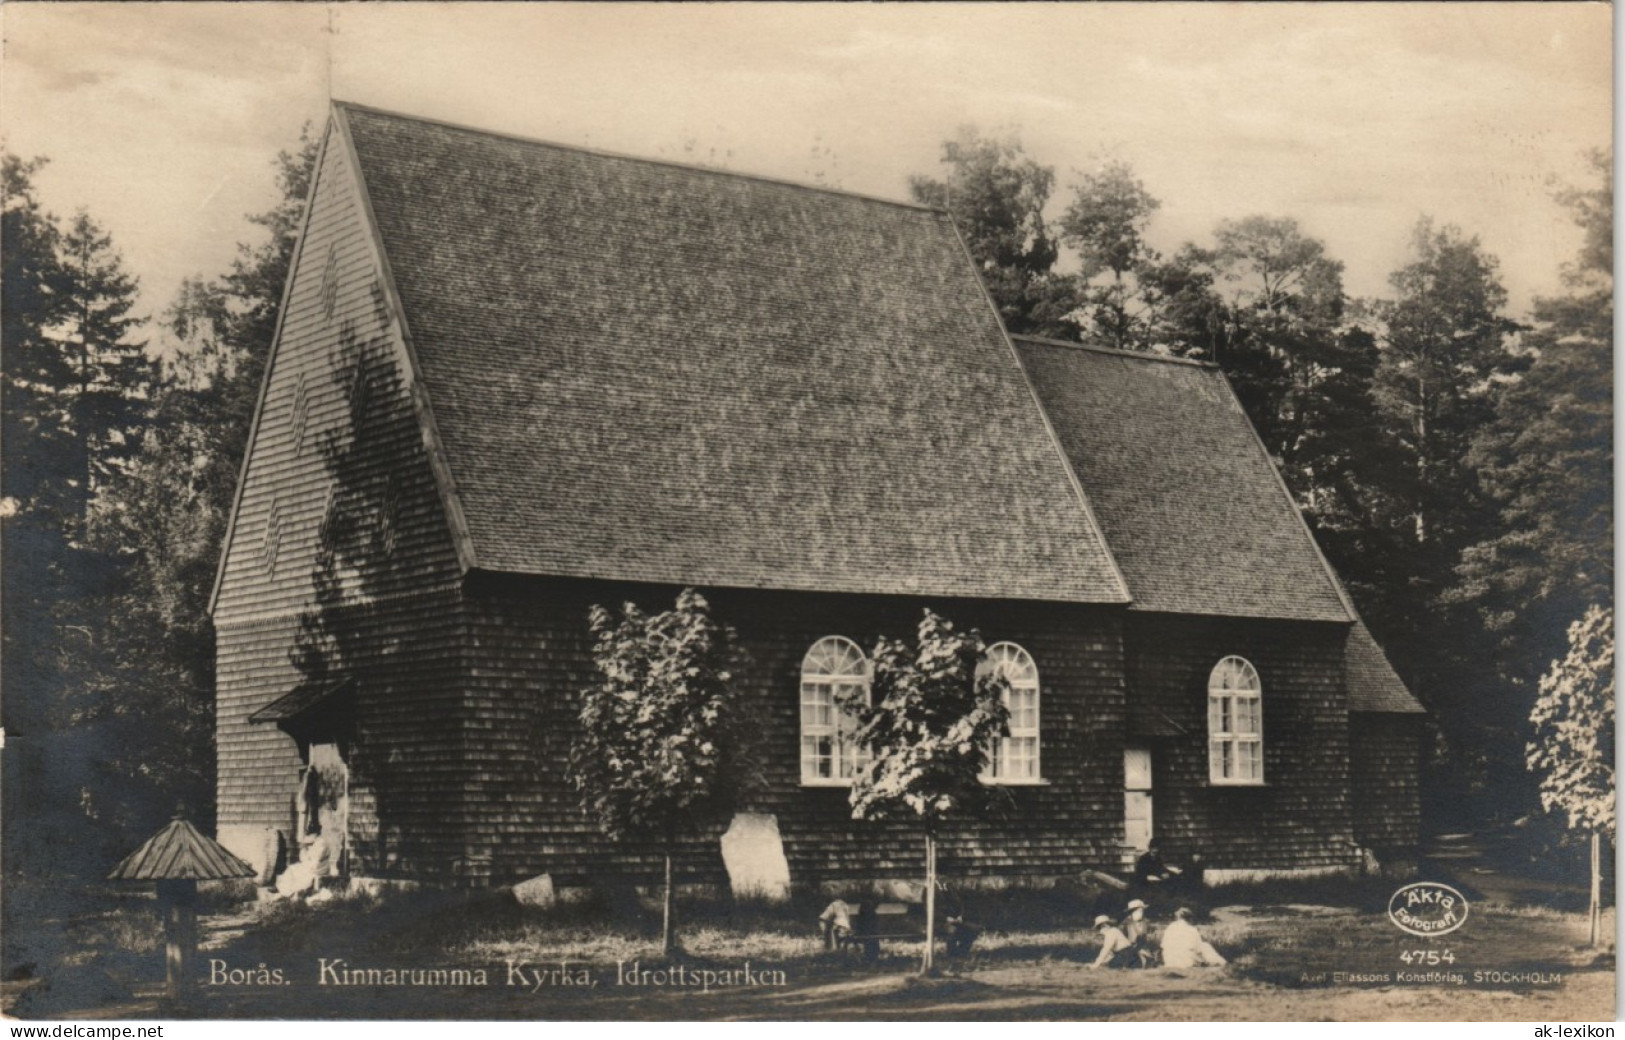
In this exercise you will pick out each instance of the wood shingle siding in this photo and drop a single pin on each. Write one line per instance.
(535, 657)
(1386, 749)
(392, 609)
(1300, 816)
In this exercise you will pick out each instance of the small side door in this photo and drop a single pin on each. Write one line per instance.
(1137, 798)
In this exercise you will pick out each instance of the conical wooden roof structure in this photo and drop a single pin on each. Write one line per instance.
(180, 852)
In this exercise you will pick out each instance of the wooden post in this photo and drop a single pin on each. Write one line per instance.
(178, 900)
(668, 942)
(930, 902)
(1596, 888)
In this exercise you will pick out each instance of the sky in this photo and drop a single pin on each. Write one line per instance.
(163, 120)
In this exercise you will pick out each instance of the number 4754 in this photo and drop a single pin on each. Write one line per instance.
(1428, 957)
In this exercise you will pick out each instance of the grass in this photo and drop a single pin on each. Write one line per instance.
(1029, 960)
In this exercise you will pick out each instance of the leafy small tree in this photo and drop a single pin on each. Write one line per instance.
(927, 727)
(1573, 749)
(661, 748)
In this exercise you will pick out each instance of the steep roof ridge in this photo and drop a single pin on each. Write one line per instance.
(1133, 355)
(265, 377)
(1286, 492)
(1056, 365)
(606, 153)
(1079, 565)
(1049, 427)
(434, 446)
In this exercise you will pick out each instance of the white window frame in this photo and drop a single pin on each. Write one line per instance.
(1026, 721)
(1235, 724)
(829, 664)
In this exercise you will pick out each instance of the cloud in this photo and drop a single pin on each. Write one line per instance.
(64, 80)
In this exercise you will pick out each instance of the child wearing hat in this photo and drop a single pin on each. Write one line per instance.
(1137, 932)
(1115, 949)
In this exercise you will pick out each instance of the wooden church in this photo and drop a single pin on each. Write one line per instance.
(512, 380)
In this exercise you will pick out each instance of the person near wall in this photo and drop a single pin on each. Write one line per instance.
(1150, 870)
(1184, 947)
(1115, 949)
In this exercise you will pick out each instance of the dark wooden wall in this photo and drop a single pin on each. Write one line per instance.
(1300, 817)
(534, 657)
(1386, 751)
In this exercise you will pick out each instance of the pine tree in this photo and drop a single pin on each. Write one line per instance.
(1445, 357)
(1302, 372)
(38, 431)
(162, 517)
(1445, 350)
(1546, 461)
(113, 379)
(77, 387)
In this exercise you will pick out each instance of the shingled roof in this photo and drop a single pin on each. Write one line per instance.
(180, 852)
(642, 371)
(1373, 683)
(1193, 510)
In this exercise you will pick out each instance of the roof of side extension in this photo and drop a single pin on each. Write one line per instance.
(1193, 509)
(648, 372)
(1373, 683)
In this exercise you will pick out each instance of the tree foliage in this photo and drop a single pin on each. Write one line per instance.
(1447, 355)
(1545, 462)
(78, 390)
(661, 739)
(1446, 350)
(115, 380)
(927, 726)
(1303, 374)
(1106, 223)
(119, 473)
(1573, 747)
(664, 741)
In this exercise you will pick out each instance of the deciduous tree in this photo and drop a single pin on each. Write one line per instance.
(927, 727)
(1573, 746)
(662, 744)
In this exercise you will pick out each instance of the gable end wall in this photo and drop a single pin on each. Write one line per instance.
(393, 626)
(1300, 818)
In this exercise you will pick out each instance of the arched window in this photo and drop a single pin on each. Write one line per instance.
(833, 669)
(1235, 723)
(1015, 758)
